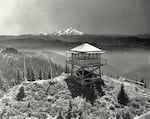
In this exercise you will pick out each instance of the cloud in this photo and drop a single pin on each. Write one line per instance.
(90, 16)
(6, 8)
(23, 16)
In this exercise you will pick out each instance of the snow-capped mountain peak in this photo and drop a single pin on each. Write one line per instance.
(68, 31)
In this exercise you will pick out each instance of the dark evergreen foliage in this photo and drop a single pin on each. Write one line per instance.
(32, 75)
(29, 105)
(44, 75)
(10, 50)
(99, 88)
(127, 115)
(32, 65)
(60, 116)
(67, 70)
(142, 80)
(69, 116)
(80, 115)
(40, 75)
(49, 74)
(18, 77)
(29, 74)
(93, 90)
(145, 85)
(21, 94)
(122, 96)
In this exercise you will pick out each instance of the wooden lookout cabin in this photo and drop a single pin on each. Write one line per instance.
(85, 61)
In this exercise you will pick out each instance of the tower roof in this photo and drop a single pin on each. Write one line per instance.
(85, 47)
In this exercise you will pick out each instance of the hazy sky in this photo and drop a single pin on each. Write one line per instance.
(90, 16)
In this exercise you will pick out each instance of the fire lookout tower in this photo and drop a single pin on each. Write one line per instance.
(86, 62)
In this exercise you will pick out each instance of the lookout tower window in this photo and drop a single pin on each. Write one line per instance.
(85, 56)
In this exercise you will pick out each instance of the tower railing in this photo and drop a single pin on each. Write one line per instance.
(86, 62)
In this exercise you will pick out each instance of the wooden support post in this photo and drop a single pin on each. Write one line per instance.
(100, 71)
(66, 68)
(82, 76)
(72, 68)
(82, 72)
(82, 82)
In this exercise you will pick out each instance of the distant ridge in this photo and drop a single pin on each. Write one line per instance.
(69, 31)
(146, 35)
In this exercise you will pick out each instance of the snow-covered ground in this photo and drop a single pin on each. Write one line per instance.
(59, 96)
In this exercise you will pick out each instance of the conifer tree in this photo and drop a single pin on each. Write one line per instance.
(142, 80)
(93, 93)
(80, 115)
(66, 69)
(69, 110)
(122, 96)
(1, 83)
(144, 85)
(60, 116)
(59, 70)
(32, 75)
(21, 94)
(28, 74)
(44, 75)
(49, 74)
(18, 77)
(29, 105)
(52, 70)
(40, 75)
